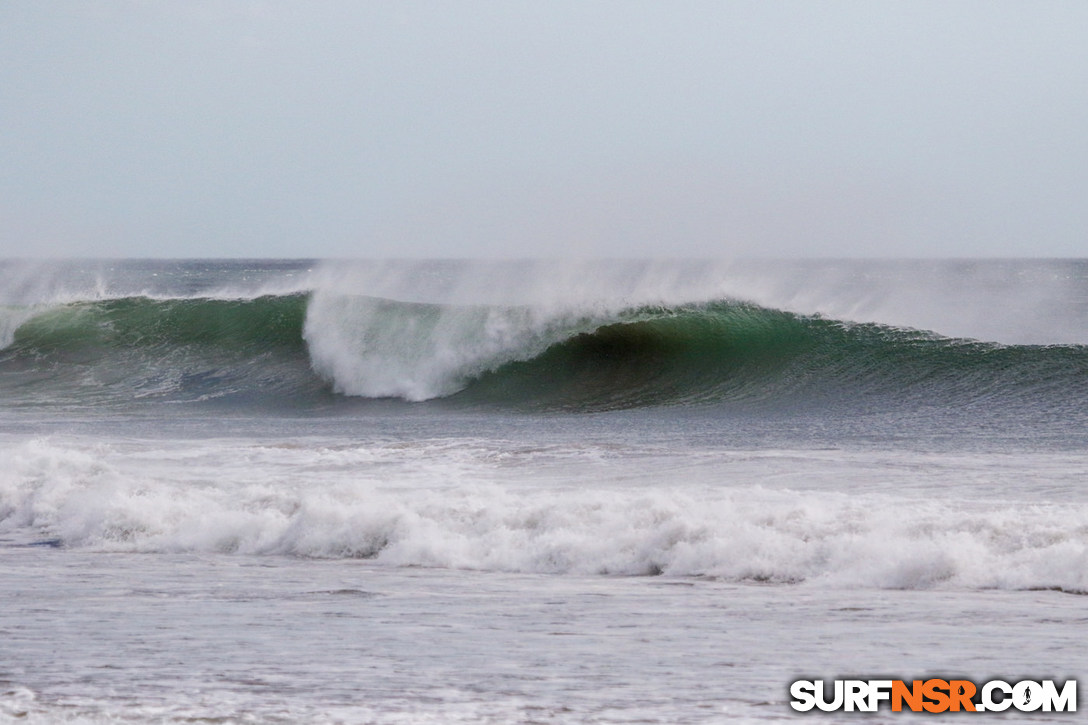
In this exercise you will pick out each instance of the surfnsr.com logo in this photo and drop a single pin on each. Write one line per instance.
(933, 695)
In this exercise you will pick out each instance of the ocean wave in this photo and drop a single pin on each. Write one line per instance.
(373, 347)
(120, 350)
(298, 349)
(324, 503)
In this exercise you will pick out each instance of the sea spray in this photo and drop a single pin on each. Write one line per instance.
(577, 336)
(1007, 301)
(381, 348)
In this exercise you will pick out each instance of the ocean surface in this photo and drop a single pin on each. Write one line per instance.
(553, 492)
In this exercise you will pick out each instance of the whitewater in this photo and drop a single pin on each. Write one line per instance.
(533, 491)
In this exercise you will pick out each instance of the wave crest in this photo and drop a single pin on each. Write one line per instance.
(296, 349)
(375, 348)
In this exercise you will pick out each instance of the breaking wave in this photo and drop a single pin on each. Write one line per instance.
(339, 503)
(304, 348)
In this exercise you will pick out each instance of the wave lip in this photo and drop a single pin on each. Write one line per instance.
(376, 348)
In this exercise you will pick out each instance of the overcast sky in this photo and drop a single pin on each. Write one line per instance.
(543, 128)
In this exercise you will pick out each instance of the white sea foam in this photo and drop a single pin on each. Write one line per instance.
(464, 508)
(373, 348)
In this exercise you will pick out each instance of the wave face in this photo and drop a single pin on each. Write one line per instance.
(306, 349)
(133, 348)
(730, 351)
